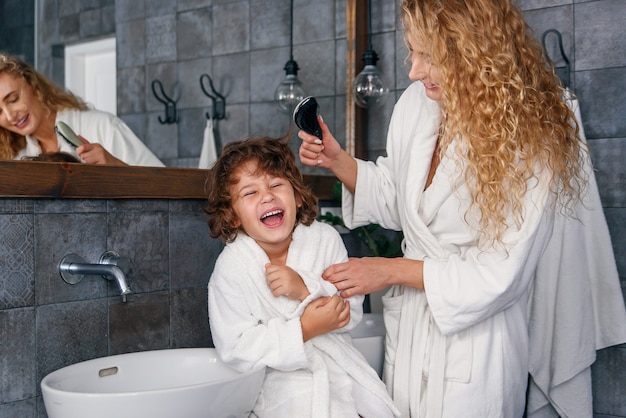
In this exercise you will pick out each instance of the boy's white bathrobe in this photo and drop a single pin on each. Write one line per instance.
(461, 346)
(324, 377)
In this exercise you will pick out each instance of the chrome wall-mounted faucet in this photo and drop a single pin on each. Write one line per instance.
(111, 266)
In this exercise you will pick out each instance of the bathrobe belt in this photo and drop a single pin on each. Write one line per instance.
(417, 330)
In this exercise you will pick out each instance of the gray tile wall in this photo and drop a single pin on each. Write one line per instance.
(46, 324)
(243, 45)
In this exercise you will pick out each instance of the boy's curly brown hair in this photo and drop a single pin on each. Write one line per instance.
(272, 156)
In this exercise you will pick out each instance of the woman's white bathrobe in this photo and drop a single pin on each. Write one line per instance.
(461, 347)
(324, 377)
(102, 128)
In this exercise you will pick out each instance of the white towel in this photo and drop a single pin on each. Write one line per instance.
(577, 307)
(208, 155)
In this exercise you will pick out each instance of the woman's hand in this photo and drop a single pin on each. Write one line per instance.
(328, 154)
(96, 154)
(316, 152)
(284, 281)
(360, 276)
(324, 315)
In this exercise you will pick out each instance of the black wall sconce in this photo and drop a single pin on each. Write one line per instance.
(170, 104)
(219, 101)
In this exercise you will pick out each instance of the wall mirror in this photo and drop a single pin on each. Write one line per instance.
(65, 180)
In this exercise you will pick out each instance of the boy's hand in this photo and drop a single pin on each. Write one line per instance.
(284, 281)
(324, 315)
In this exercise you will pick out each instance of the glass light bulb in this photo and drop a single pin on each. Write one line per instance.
(369, 88)
(289, 93)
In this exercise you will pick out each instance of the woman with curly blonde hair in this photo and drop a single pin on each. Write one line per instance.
(483, 153)
(30, 107)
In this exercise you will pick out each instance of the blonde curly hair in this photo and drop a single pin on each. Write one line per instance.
(52, 97)
(503, 105)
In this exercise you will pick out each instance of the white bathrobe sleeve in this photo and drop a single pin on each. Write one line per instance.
(312, 250)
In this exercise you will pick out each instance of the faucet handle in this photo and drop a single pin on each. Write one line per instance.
(65, 268)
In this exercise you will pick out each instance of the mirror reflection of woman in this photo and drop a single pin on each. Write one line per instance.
(30, 107)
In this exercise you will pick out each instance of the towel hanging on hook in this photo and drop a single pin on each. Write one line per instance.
(170, 104)
(562, 71)
(219, 101)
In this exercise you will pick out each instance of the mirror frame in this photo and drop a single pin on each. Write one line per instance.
(82, 181)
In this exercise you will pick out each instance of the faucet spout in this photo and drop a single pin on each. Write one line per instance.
(72, 268)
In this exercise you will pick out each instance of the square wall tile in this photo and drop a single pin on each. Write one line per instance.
(57, 235)
(231, 78)
(17, 275)
(17, 333)
(166, 73)
(190, 320)
(314, 21)
(189, 73)
(231, 27)
(608, 156)
(126, 10)
(600, 35)
(269, 24)
(69, 333)
(142, 323)
(143, 238)
(161, 38)
(266, 72)
(195, 32)
(131, 43)
(602, 96)
(90, 23)
(192, 251)
(130, 90)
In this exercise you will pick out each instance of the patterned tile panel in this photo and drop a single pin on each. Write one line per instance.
(17, 279)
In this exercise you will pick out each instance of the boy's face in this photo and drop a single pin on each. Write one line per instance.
(265, 207)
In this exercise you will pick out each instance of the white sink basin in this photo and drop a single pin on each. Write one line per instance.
(180, 383)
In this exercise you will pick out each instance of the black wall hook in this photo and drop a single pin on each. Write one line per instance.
(219, 101)
(170, 104)
(562, 71)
